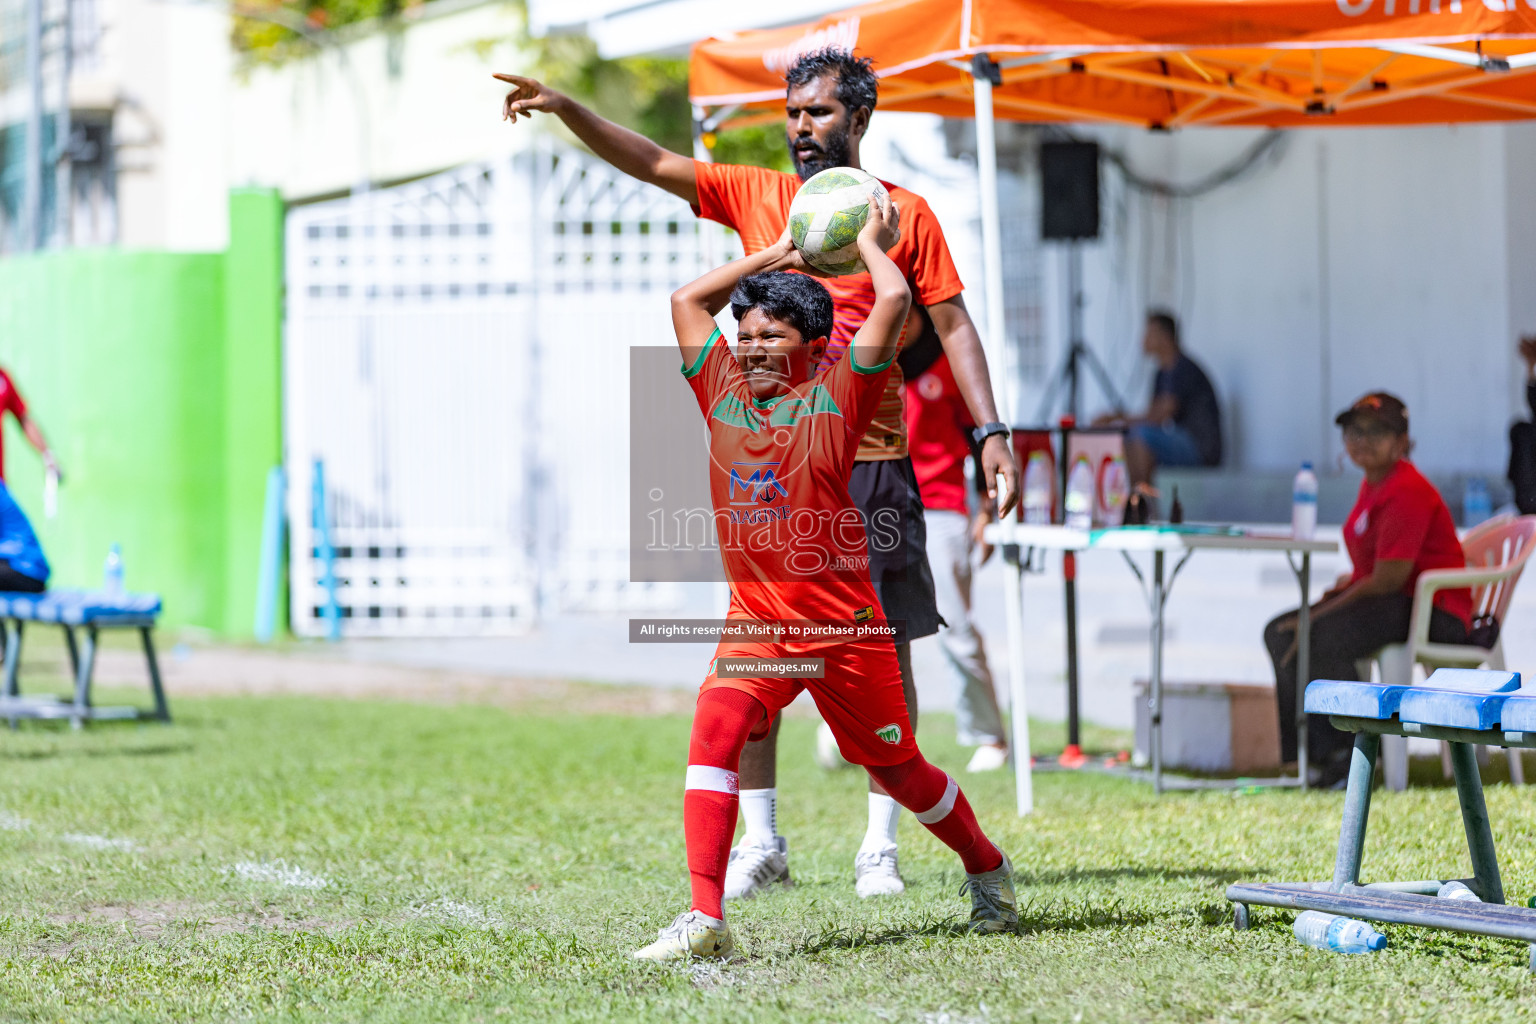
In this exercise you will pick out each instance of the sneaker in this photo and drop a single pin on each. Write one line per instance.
(988, 758)
(828, 755)
(875, 873)
(994, 907)
(690, 935)
(753, 868)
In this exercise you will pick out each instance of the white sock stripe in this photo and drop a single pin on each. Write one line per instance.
(718, 780)
(939, 811)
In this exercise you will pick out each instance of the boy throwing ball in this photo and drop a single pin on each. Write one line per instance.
(782, 439)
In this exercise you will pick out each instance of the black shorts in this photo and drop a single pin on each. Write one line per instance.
(886, 492)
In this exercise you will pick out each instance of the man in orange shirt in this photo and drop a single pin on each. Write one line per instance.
(828, 103)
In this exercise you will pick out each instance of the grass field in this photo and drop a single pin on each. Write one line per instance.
(318, 860)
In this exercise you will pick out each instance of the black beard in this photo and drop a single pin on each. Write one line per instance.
(833, 154)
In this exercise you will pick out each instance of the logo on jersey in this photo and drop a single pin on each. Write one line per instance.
(864, 614)
(760, 486)
(1363, 523)
(890, 733)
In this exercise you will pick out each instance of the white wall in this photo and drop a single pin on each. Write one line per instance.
(1359, 260)
(624, 28)
(164, 70)
(382, 105)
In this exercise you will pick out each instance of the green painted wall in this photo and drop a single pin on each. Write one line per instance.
(154, 377)
(253, 415)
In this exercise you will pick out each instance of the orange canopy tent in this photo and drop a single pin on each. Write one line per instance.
(1159, 64)
(1162, 63)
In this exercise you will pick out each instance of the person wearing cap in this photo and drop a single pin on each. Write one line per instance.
(1399, 528)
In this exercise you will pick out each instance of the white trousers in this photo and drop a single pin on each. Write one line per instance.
(978, 720)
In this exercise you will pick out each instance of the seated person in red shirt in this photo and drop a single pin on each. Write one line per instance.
(1399, 528)
(782, 439)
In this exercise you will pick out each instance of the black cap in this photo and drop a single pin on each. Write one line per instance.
(1383, 408)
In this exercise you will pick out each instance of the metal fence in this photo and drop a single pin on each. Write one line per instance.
(456, 352)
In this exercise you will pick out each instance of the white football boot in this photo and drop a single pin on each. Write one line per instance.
(875, 873)
(994, 907)
(690, 935)
(753, 868)
(988, 759)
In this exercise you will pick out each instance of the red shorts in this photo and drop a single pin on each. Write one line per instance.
(860, 696)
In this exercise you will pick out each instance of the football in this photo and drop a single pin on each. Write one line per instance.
(827, 215)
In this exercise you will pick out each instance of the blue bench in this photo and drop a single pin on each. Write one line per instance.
(1466, 707)
(90, 612)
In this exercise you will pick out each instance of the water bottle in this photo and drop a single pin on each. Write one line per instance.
(1476, 506)
(1304, 504)
(1457, 891)
(112, 571)
(1339, 934)
(1037, 489)
(1080, 496)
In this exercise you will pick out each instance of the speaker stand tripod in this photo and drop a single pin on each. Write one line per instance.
(1068, 376)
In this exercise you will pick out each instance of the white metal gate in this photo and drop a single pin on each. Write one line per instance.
(456, 354)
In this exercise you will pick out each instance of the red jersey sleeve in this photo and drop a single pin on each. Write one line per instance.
(1402, 525)
(932, 269)
(857, 390)
(13, 400)
(713, 373)
(728, 191)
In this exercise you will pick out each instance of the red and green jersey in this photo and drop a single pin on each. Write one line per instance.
(754, 202)
(792, 540)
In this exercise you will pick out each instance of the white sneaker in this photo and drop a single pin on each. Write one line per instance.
(753, 868)
(690, 935)
(875, 873)
(988, 759)
(827, 753)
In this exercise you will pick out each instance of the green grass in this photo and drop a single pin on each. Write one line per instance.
(481, 864)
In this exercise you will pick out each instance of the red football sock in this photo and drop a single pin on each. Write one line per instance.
(721, 723)
(936, 801)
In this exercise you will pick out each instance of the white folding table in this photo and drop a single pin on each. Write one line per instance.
(1159, 541)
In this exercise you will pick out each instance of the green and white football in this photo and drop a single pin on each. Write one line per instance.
(827, 215)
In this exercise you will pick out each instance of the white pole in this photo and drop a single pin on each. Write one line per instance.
(1018, 709)
(991, 227)
(982, 73)
(33, 230)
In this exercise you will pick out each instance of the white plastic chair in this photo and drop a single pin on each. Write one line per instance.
(1496, 552)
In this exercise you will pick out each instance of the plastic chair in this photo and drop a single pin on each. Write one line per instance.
(1496, 553)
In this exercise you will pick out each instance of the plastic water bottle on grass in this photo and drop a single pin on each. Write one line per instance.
(1304, 504)
(1457, 891)
(1037, 489)
(1080, 496)
(112, 572)
(1338, 934)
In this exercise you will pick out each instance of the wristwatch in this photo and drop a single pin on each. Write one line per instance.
(987, 430)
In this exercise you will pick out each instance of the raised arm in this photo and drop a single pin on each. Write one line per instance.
(695, 304)
(631, 152)
(875, 342)
(34, 434)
